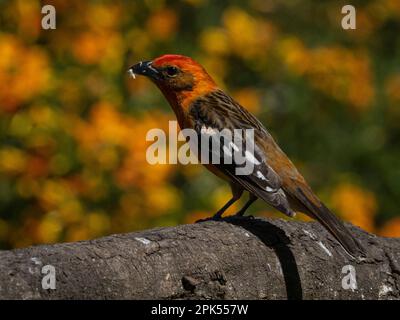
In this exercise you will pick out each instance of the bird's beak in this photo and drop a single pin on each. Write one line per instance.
(144, 68)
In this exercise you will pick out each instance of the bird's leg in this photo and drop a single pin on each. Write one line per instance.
(237, 192)
(249, 202)
(221, 211)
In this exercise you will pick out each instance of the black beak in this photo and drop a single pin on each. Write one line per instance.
(144, 68)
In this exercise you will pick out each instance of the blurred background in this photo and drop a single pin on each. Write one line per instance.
(73, 124)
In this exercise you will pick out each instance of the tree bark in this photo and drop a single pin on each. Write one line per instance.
(231, 259)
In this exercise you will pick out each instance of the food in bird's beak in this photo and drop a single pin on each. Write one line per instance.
(144, 68)
(131, 73)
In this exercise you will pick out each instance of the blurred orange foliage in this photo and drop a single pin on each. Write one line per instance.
(73, 125)
(355, 205)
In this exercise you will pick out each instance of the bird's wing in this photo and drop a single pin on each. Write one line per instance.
(209, 120)
(274, 179)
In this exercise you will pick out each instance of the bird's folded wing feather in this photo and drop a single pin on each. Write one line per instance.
(216, 112)
(274, 179)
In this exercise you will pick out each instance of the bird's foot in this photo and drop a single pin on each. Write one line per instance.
(215, 217)
(218, 217)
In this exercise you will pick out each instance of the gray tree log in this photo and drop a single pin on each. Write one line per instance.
(232, 259)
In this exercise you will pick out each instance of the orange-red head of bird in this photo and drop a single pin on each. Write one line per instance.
(180, 78)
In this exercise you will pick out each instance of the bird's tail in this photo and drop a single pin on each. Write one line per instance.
(317, 210)
(336, 227)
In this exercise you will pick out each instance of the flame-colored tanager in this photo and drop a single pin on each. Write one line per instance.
(198, 103)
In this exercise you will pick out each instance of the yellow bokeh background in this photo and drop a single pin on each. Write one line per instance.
(73, 125)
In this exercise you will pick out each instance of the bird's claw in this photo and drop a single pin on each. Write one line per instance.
(213, 218)
(220, 218)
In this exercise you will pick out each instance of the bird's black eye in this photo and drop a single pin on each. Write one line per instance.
(171, 71)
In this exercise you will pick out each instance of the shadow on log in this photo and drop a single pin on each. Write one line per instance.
(232, 259)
